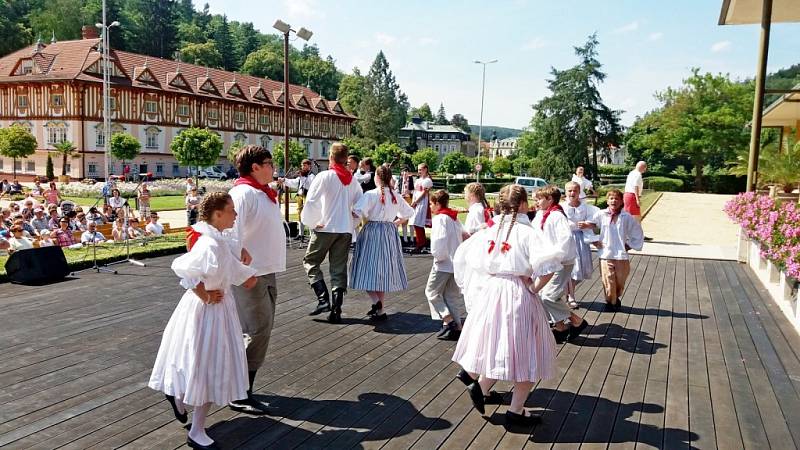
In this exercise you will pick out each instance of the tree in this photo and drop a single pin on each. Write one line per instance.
(266, 62)
(205, 54)
(196, 147)
(151, 27)
(522, 166)
(441, 116)
(455, 163)
(124, 147)
(15, 31)
(550, 166)
(220, 33)
(233, 150)
(383, 107)
(16, 142)
(423, 112)
(486, 164)
(461, 123)
(573, 120)
(48, 170)
(427, 156)
(62, 17)
(92, 13)
(318, 74)
(352, 89)
(66, 149)
(246, 39)
(296, 155)
(388, 152)
(702, 123)
(501, 165)
(359, 146)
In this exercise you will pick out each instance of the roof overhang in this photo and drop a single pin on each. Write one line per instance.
(784, 112)
(741, 12)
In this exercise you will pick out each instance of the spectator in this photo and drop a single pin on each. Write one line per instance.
(192, 203)
(27, 210)
(63, 235)
(51, 195)
(16, 188)
(6, 217)
(109, 214)
(190, 185)
(14, 207)
(39, 221)
(144, 202)
(584, 183)
(116, 201)
(92, 235)
(18, 220)
(96, 216)
(18, 240)
(45, 240)
(73, 220)
(52, 211)
(153, 228)
(134, 231)
(80, 222)
(37, 190)
(4, 245)
(5, 187)
(117, 231)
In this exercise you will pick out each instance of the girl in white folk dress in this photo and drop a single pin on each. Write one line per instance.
(377, 266)
(506, 335)
(422, 211)
(581, 217)
(202, 356)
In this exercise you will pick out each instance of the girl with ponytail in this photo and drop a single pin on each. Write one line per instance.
(479, 213)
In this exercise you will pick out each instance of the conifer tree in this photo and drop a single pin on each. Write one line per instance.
(383, 107)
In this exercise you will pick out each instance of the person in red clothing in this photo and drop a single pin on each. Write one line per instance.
(63, 235)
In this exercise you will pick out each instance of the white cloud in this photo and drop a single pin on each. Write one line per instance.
(633, 26)
(534, 44)
(721, 46)
(303, 9)
(385, 39)
(426, 41)
(655, 36)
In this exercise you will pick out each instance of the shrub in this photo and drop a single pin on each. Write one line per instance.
(614, 169)
(664, 184)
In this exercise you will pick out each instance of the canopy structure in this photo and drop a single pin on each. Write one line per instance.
(741, 12)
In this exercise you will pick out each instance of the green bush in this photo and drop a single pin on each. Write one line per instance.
(612, 169)
(726, 184)
(664, 184)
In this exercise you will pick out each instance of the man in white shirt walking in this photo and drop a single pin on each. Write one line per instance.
(259, 237)
(328, 213)
(634, 185)
(301, 184)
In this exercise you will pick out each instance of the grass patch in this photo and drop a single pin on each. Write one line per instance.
(163, 203)
(106, 253)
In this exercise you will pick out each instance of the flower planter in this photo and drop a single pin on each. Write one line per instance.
(773, 272)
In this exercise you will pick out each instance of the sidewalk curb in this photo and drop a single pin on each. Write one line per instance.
(644, 214)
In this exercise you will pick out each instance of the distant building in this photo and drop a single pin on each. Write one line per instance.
(612, 155)
(442, 138)
(55, 91)
(504, 147)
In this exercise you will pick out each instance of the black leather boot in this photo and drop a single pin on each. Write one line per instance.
(336, 308)
(323, 298)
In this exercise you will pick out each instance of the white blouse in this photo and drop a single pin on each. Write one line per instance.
(259, 229)
(445, 239)
(211, 261)
(582, 213)
(475, 220)
(557, 230)
(584, 183)
(614, 236)
(369, 206)
(329, 203)
(420, 184)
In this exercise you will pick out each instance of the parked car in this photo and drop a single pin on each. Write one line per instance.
(208, 172)
(531, 184)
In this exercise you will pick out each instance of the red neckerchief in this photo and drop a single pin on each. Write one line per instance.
(552, 208)
(341, 171)
(453, 214)
(191, 237)
(614, 214)
(250, 181)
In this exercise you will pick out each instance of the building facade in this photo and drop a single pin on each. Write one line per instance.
(442, 138)
(503, 147)
(55, 91)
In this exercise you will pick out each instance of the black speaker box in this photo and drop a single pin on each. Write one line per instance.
(37, 266)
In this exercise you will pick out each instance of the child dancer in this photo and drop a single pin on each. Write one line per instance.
(202, 358)
(444, 295)
(554, 223)
(406, 189)
(619, 232)
(479, 213)
(377, 265)
(506, 335)
(422, 216)
(580, 215)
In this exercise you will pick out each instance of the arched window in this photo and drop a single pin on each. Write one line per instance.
(240, 138)
(324, 146)
(151, 137)
(56, 132)
(307, 146)
(265, 141)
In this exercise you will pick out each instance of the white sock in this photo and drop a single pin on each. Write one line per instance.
(198, 430)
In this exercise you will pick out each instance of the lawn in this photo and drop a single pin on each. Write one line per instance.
(163, 203)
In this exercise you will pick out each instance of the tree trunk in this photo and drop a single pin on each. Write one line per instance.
(596, 168)
(64, 164)
(698, 176)
(14, 167)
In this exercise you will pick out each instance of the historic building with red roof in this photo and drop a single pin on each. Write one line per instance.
(55, 90)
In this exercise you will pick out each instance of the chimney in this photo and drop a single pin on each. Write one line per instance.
(89, 32)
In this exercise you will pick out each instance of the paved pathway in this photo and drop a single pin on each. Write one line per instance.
(690, 225)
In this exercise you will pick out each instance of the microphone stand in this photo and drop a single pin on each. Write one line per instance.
(126, 233)
(95, 267)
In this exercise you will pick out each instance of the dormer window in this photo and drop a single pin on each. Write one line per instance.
(57, 100)
(25, 67)
(207, 86)
(176, 80)
(22, 101)
(233, 89)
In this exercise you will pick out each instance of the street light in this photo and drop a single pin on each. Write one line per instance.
(483, 88)
(106, 88)
(305, 35)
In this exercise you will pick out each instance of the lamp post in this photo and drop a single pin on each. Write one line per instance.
(305, 35)
(483, 88)
(106, 89)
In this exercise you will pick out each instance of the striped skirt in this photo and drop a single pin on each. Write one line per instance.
(506, 335)
(377, 263)
(202, 357)
(583, 262)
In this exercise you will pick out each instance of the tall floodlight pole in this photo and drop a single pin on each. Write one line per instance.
(305, 35)
(483, 89)
(106, 88)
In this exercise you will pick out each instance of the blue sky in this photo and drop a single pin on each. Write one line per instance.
(645, 46)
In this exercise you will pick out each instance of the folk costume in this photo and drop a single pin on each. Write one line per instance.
(422, 210)
(556, 229)
(619, 232)
(582, 270)
(443, 294)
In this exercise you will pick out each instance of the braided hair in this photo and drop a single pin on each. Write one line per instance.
(212, 202)
(511, 197)
(383, 178)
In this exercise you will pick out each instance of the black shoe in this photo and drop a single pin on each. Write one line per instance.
(182, 418)
(323, 298)
(648, 239)
(250, 406)
(574, 332)
(464, 377)
(375, 308)
(441, 333)
(451, 334)
(336, 306)
(476, 395)
(378, 317)
(525, 419)
(561, 336)
(494, 398)
(195, 445)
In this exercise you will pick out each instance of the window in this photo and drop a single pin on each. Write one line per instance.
(56, 132)
(92, 169)
(324, 148)
(176, 170)
(26, 67)
(151, 134)
(30, 166)
(101, 137)
(160, 169)
(112, 103)
(18, 165)
(22, 101)
(307, 146)
(150, 107)
(263, 120)
(306, 125)
(68, 166)
(213, 113)
(183, 109)
(265, 141)
(240, 137)
(238, 116)
(57, 100)
(324, 127)
(436, 147)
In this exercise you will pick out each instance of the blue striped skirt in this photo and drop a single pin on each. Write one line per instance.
(377, 263)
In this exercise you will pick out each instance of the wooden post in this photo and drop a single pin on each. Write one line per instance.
(758, 102)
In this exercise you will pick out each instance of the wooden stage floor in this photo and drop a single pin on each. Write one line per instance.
(699, 357)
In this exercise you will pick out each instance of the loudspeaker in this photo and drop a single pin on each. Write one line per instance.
(37, 265)
(292, 229)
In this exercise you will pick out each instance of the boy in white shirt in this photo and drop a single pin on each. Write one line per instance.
(444, 295)
(153, 228)
(619, 232)
(328, 212)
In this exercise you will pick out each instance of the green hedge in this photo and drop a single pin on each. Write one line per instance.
(664, 184)
(457, 186)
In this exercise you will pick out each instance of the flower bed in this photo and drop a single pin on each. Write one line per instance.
(774, 225)
(158, 188)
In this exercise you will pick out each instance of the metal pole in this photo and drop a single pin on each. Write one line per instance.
(758, 102)
(480, 126)
(106, 94)
(286, 119)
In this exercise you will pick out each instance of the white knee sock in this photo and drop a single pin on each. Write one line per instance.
(198, 430)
